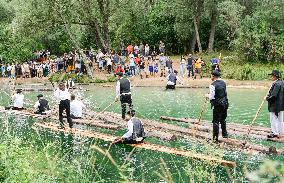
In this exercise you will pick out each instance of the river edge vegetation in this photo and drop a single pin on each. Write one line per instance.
(39, 160)
(252, 28)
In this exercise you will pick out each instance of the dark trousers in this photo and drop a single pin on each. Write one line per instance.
(219, 117)
(125, 99)
(171, 87)
(190, 70)
(65, 105)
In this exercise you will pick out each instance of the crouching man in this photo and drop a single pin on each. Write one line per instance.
(41, 106)
(135, 134)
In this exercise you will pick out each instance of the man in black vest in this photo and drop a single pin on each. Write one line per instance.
(219, 103)
(123, 91)
(275, 100)
(41, 105)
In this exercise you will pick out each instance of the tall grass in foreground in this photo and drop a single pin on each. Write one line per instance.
(26, 161)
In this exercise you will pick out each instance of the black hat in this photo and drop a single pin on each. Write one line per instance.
(19, 90)
(120, 74)
(275, 73)
(40, 95)
(216, 73)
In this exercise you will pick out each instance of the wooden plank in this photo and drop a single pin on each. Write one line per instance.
(145, 145)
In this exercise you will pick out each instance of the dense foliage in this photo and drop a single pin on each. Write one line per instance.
(253, 28)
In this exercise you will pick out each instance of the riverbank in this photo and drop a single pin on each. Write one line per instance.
(155, 82)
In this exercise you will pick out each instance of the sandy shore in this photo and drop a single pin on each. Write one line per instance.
(155, 82)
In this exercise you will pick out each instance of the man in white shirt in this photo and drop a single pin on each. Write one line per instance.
(63, 97)
(135, 133)
(18, 100)
(76, 108)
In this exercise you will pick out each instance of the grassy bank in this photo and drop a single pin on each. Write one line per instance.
(233, 67)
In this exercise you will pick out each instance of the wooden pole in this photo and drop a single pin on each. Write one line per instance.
(256, 115)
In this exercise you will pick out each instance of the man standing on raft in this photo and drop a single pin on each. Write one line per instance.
(275, 100)
(123, 92)
(219, 103)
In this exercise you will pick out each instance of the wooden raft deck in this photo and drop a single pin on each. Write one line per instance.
(153, 147)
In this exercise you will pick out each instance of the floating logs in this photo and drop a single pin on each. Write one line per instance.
(96, 123)
(181, 131)
(257, 130)
(148, 146)
(93, 122)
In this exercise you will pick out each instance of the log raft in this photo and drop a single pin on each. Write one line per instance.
(258, 130)
(181, 132)
(145, 145)
(93, 122)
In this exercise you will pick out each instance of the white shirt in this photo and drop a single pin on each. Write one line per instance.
(129, 133)
(76, 108)
(211, 92)
(18, 100)
(61, 95)
(37, 104)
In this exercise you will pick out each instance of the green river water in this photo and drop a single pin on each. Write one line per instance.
(144, 165)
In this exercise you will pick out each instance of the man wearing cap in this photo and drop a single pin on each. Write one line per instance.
(219, 103)
(63, 97)
(41, 106)
(275, 99)
(123, 91)
(18, 100)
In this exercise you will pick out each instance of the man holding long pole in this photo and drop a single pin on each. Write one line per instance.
(219, 103)
(275, 100)
(123, 92)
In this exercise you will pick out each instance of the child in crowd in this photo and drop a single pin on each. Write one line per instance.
(156, 69)
(151, 66)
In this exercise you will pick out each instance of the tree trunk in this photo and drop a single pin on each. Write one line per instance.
(197, 35)
(104, 7)
(213, 28)
(198, 9)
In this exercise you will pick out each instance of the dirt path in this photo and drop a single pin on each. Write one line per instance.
(157, 82)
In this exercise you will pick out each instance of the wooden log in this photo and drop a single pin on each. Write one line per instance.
(279, 139)
(180, 131)
(148, 146)
(96, 123)
(161, 135)
(233, 126)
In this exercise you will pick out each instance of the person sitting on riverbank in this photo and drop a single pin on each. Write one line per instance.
(41, 106)
(76, 108)
(135, 133)
(172, 80)
(275, 100)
